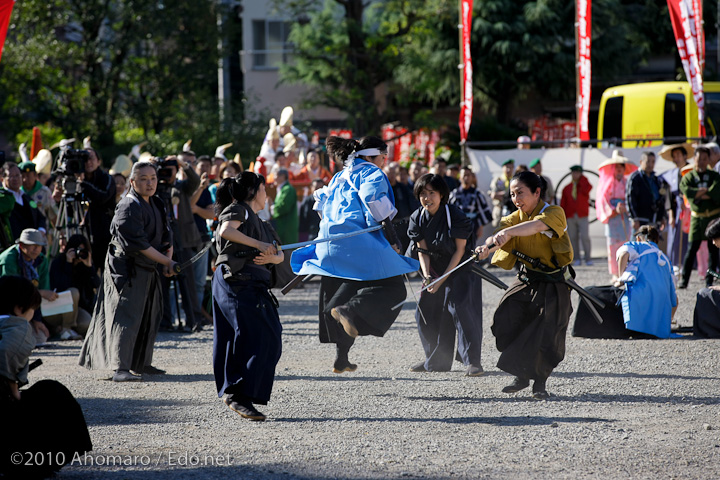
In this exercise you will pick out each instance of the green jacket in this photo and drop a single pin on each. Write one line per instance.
(285, 214)
(689, 185)
(9, 266)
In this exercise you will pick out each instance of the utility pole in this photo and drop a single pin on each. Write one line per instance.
(224, 96)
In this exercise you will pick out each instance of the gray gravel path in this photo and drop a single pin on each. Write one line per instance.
(621, 409)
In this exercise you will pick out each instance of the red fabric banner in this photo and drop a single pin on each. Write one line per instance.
(6, 7)
(584, 66)
(686, 17)
(466, 105)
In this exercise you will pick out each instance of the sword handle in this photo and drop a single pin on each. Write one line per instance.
(176, 268)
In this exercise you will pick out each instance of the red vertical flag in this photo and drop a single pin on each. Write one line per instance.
(6, 7)
(584, 65)
(686, 17)
(466, 104)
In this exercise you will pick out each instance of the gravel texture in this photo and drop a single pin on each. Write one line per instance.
(620, 409)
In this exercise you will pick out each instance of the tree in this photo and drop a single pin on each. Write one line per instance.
(346, 50)
(93, 66)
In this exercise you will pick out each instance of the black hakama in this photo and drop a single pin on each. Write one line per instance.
(370, 303)
(530, 325)
(706, 318)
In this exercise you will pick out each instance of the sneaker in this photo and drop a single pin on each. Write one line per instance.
(474, 371)
(683, 284)
(341, 315)
(517, 385)
(125, 376)
(69, 334)
(418, 367)
(245, 409)
(539, 391)
(577, 263)
(589, 263)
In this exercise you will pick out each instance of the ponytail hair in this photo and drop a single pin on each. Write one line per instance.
(241, 188)
(340, 148)
(532, 181)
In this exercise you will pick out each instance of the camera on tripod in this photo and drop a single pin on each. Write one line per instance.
(72, 162)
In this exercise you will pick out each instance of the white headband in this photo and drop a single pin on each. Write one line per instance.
(368, 152)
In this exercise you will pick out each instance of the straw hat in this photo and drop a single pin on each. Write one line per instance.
(666, 151)
(618, 159)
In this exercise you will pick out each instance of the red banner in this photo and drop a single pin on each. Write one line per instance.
(6, 7)
(584, 66)
(686, 17)
(466, 104)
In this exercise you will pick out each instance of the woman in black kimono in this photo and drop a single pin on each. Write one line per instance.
(247, 341)
(43, 427)
(531, 321)
(440, 232)
(129, 306)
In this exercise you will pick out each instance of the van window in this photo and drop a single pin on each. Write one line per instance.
(674, 116)
(712, 113)
(612, 123)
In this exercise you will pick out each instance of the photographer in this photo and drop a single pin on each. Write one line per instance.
(99, 188)
(73, 270)
(95, 186)
(176, 196)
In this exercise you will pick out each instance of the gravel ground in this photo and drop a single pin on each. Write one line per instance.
(620, 409)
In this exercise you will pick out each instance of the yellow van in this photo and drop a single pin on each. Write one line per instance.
(643, 111)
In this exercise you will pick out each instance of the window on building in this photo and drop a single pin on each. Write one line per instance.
(270, 44)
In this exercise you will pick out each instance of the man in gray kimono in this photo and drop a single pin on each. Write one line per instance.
(124, 325)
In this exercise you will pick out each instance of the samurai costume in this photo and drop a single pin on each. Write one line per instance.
(531, 321)
(363, 272)
(129, 306)
(29, 426)
(247, 337)
(650, 296)
(457, 305)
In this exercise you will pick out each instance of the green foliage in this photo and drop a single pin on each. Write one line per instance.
(91, 67)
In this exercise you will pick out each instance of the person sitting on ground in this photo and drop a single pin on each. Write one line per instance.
(650, 301)
(25, 259)
(73, 270)
(707, 307)
(44, 419)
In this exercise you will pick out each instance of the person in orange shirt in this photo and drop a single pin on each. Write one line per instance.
(313, 170)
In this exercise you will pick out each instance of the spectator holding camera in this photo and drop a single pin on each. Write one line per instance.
(187, 241)
(73, 270)
(98, 187)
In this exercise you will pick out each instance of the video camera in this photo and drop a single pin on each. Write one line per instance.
(165, 172)
(72, 162)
